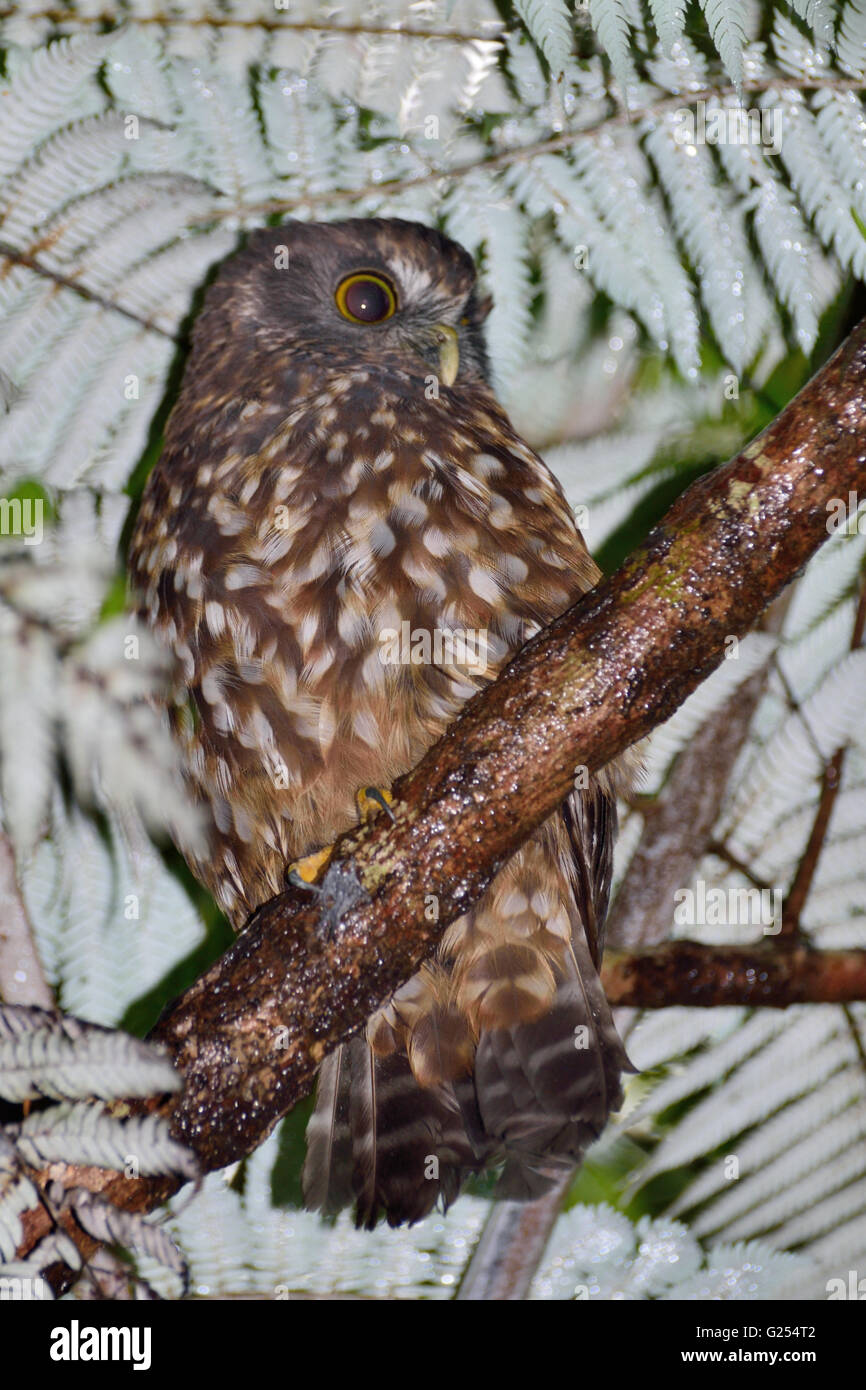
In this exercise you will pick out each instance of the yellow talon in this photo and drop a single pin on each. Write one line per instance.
(309, 868)
(369, 800)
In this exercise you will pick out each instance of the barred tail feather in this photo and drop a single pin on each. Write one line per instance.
(563, 1076)
(402, 1147)
(327, 1174)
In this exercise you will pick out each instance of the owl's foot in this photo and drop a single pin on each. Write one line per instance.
(303, 873)
(339, 890)
(306, 872)
(368, 798)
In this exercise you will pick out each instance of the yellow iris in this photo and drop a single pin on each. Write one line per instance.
(366, 298)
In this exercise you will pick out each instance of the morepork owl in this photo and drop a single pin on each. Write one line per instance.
(344, 538)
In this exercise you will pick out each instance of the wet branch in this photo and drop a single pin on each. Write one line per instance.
(772, 974)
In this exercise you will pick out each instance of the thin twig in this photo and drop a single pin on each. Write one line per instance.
(14, 256)
(831, 781)
(495, 31)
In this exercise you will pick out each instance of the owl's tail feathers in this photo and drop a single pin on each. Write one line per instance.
(378, 1139)
(545, 1089)
(540, 1093)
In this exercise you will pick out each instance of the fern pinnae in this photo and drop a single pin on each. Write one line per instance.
(48, 1055)
(840, 118)
(786, 243)
(669, 18)
(108, 1223)
(820, 16)
(17, 1195)
(672, 1033)
(125, 437)
(836, 1202)
(87, 1134)
(28, 687)
(797, 54)
(794, 1193)
(725, 24)
(842, 1236)
(118, 359)
(136, 210)
(596, 246)
(43, 92)
(851, 39)
(786, 1069)
(788, 250)
(813, 179)
(618, 187)
(709, 226)
(706, 1068)
(788, 1145)
(170, 276)
(551, 25)
(82, 156)
(685, 69)
(833, 574)
(611, 23)
(753, 655)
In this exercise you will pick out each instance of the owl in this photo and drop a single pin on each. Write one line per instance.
(343, 540)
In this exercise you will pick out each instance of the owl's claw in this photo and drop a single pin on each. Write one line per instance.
(367, 797)
(304, 873)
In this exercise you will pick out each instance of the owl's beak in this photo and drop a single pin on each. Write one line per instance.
(449, 352)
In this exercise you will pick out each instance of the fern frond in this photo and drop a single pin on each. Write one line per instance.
(43, 1054)
(550, 24)
(724, 18)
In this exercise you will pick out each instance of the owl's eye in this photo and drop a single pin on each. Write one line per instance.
(366, 298)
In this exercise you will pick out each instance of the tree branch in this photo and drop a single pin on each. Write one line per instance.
(772, 974)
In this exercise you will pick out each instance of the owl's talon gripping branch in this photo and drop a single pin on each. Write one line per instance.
(369, 797)
(306, 872)
(340, 890)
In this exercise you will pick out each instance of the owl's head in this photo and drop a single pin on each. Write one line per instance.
(383, 292)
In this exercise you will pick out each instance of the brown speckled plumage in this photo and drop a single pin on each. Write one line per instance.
(314, 492)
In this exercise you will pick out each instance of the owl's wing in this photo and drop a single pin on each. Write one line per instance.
(545, 1088)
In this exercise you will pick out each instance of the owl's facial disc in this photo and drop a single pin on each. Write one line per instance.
(381, 293)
